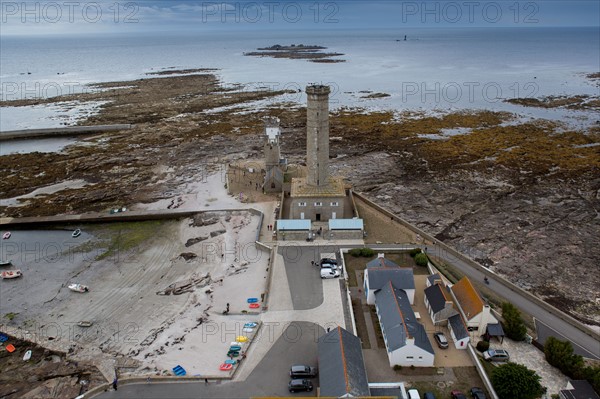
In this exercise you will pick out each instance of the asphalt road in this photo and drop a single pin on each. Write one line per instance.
(298, 345)
(303, 278)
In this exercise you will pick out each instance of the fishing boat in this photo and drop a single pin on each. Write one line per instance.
(5, 262)
(11, 274)
(6, 235)
(78, 287)
(76, 233)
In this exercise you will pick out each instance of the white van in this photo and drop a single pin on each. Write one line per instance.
(327, 272)
(413, 394)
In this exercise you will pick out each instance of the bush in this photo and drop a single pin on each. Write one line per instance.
(515, 381)
(560, 355)
(513, 325)
(482, 346)
(421, 259)
(355, 252)
(367, 252)
(414, 252)
(397, 367)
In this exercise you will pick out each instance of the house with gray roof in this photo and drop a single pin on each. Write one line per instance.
(578, 389)
(342, 371)
(434, 279)
(439, 304)
(377, 276)
(405, 338)
(458, 331)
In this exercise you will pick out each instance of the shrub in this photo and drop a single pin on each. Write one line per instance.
(515, 381)
(421, 259)
(413, 252)
(397, 367)
(367, 252)
(560, 355)
(513, 325)
(355, 252)
(482, 346)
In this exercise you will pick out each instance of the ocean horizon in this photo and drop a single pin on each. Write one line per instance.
(433, 69)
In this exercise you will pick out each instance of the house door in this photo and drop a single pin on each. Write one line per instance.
(318, 217)
(301, 215)
(333, 215)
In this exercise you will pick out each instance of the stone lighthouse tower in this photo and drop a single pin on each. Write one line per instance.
(318, 196)
(317, 135)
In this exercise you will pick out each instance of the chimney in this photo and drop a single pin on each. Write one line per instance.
(317, 134)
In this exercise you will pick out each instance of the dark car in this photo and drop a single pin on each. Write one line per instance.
(441, 340)
(428, 395)
(299, 385)
(457, 395)
(302, 371)
(328, 261)
(477, 393)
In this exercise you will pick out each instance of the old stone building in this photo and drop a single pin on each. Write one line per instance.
(318, 196)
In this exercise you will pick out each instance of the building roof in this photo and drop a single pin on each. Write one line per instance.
(400, 277)
(398, 321)
(436, 297)
(293, 224)
(467, 297)
(301, 188)
(381, 262)
(341, 365)
(345, 224)
(458, 326)
(433, 278)
(495, 330)
(274, 174)
(581, 390)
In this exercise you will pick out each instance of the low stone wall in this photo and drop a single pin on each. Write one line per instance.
(345, 234)
(481, 372)
(292, 235)
(60, 131)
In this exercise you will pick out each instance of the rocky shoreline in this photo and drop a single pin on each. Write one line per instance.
(522, 197)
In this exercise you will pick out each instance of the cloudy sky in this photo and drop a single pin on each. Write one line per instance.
(115, 16)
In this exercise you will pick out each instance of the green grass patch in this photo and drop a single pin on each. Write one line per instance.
(126, 236)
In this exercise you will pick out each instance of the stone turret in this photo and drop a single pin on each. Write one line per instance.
(271, 146)
(317, 135)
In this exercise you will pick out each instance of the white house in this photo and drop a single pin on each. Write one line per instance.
(458, 331)
(474, 311)
(380, 271)
(438, 303)
(405, 338)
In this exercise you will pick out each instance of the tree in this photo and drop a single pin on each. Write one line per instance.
(515, 381)
(560, 355)
(513, 325)
(421, 259)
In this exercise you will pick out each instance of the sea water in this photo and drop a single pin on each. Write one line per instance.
(434, 69)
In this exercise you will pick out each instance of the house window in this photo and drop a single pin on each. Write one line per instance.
(409, 357)
(334, 204)
(318, 204)
(420, 358)
(301, 203)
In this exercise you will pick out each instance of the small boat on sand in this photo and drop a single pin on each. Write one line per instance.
(27, 356)
(85, 323)
(5, 262)
(76, 233)
(11, 274)
(6, 235)
(78, 287)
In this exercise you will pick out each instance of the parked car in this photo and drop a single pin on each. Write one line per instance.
(329, 261)
(298, 385)
(496, 355)
(329, 273)
(477, 393)
(413, 394)
(428, 395)
(302, 371)
(441, 340)
(457, 395)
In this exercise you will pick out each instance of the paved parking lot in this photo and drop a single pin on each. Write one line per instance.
(270, 377)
